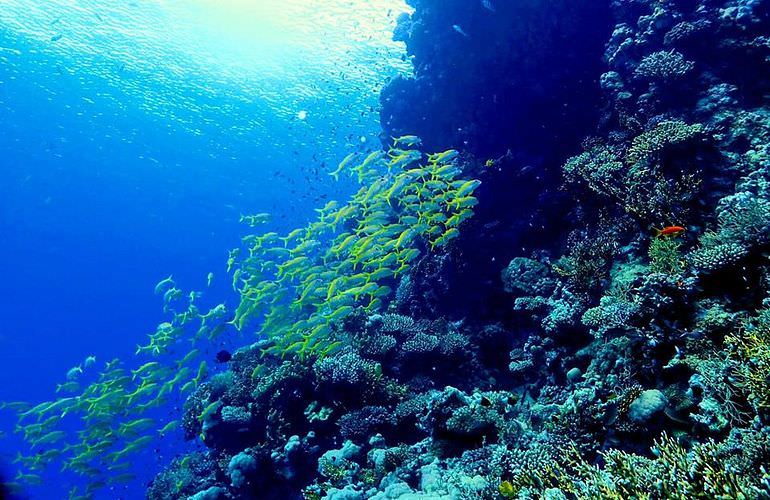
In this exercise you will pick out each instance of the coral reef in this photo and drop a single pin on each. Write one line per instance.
(437, 337)
(298, 287)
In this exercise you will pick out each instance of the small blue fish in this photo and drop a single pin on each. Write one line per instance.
(458, 29)
(56, 38)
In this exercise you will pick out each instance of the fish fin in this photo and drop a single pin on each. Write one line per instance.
(657, 231)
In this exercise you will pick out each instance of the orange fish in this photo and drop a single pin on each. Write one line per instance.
(669, 231)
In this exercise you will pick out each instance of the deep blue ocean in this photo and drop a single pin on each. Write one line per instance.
(134, 135)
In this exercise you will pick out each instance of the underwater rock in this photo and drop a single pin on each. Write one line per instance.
(349, 451)
(213, 493)
(223, 356)
(525, 276)
(574, 374)
(240, 467)
(347, 493)
(649, 403)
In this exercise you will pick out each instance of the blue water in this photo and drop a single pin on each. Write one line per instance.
(134, 135)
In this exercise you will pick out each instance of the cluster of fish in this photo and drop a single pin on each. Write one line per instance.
(103, 418)
(298, 285)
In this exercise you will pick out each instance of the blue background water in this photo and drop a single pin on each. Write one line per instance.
(135, 134)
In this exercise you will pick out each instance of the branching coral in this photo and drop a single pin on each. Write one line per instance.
(745, 217)
(587, 261)
(665, 135)
(665, 256)
(750, 348)
(600, 167)
(743, 225)
(721, 256)
(674, 473)
(663, 66)
(638, 181)
(610, 314)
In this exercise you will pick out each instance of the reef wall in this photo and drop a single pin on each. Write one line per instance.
(512, 83)
(492, 76)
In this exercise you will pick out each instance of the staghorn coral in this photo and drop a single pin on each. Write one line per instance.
(638, 181)
(743, 226)
(673, 473)
(392, 323)
(611, 314)
(587, 261)
(556, 313)
(718, 257)
(685, 32)
(346, 368)
(600, 167)
(664, 135)
(665, 256)
(663, 67)
(744, 217)
(749, 346)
